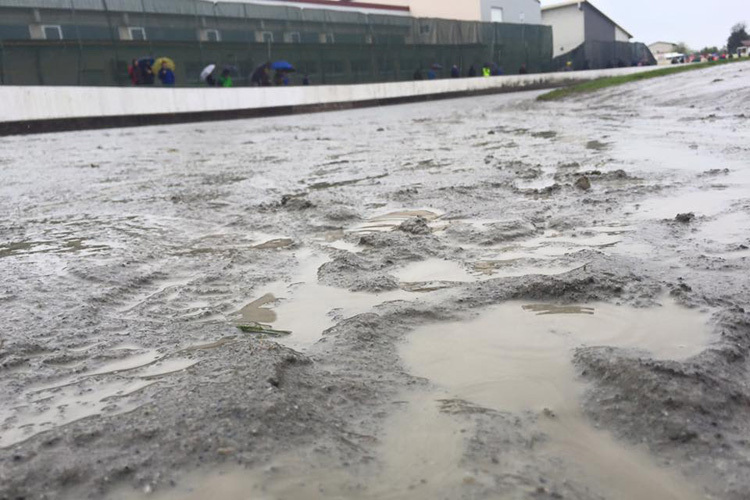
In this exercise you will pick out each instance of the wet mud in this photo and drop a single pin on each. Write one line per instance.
(467, 318)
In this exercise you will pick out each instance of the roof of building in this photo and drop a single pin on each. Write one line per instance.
(665, 43)
(569, 3)
(338, 4)
(746, 43)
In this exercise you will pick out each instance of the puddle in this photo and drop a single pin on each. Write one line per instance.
(447, 272)
(105, 390)
(434, 270)
(726, 229)
(306, 308)
(46, 409)
(391, 220)
(703, 202)
(63, 246)
(517, 357)
(526, 364)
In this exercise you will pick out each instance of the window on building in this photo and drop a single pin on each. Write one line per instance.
(424, 29)
(497, 15)
(267, 37)
(213, 36)
(293, 37)
(52, 32)
(137, 33)
(327, 38)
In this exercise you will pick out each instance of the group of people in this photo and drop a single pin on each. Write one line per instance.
(141, 72)
(261, 77)
(486, 70)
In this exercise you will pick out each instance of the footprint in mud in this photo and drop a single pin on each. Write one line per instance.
(546, 309)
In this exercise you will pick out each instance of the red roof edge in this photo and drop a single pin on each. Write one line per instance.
(356, 5)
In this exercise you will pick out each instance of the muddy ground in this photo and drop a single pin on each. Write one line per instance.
(129, 257)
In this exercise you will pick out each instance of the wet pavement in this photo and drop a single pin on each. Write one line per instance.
(423, 301)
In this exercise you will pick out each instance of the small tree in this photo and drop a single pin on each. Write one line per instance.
(739, 35)
(682, 48)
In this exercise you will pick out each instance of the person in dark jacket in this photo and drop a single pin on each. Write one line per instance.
(261, 77)
(524, 70)
(455, 72)
(134, 72)
(166, 75)
(472, 71)
(418, 74)
(147, 73)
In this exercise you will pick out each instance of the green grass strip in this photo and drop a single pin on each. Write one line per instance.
(613, 81)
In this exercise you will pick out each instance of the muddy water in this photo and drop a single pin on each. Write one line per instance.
(306, 308)
(516, 358)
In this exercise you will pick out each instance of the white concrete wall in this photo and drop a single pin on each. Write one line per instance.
(45, 103)
(568, 28)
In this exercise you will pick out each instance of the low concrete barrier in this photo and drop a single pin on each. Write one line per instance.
(46, 109)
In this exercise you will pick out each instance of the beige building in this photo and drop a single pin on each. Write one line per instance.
(502, 11)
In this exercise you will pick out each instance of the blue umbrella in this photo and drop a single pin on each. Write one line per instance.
(282, 66)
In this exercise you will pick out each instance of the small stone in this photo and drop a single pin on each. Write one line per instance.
(686, 218)
(583, 183)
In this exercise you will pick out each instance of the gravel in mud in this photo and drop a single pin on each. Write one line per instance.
(488, 298)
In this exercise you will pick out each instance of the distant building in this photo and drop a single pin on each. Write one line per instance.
(500, 11)
(658, 49)
(576, 22)
(584, 37)
(665, 52)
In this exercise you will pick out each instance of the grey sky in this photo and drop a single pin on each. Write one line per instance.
(699, 24)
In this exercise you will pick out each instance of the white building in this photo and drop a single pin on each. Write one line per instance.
(576, 22)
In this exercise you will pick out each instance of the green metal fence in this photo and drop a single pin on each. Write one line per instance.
(91, 42)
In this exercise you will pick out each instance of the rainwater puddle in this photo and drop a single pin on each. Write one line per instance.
(516, 357)
(306, 308)
(391, 220)
(726, 229)
(703, 202)
(41, 410)
(445, 271)
(105, 390)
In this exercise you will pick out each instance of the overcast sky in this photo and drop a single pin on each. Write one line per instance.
(699, 24)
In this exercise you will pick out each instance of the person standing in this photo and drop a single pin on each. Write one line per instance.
(134, 72)
(524, 70)
(455, 72)
(225, 79)
(472, 71)
(166, 75)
